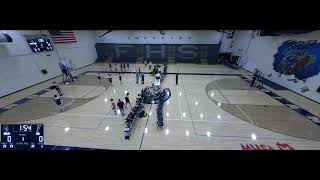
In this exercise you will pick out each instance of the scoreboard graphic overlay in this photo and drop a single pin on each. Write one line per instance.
(21, 136)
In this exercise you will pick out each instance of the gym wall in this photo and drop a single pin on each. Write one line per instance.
(154, 37)
(188, 46)
(20, 68)
(293, 64)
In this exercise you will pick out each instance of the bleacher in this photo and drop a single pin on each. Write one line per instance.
(133, 116)
(165, 95)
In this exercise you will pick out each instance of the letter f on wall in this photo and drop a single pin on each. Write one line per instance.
(121, 49)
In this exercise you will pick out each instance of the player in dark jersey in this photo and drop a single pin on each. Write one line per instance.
(142, 78)
(127, 99)
(57, 88)
(58, 101)
(120, 78)
(110, 66)
(110, 79)
(99, 78)
(121, 105)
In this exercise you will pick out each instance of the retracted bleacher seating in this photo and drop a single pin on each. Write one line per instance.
(133, 116)
(165, 95)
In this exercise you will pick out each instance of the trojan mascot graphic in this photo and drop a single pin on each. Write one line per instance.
(298, 58)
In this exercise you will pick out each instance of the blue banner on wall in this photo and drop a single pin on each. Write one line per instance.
(298, 58)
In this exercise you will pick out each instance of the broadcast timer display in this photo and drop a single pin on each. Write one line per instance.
(22, 136)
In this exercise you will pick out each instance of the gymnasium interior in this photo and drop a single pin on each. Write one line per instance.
(188, 89)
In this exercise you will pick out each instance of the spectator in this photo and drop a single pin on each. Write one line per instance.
(255, 75)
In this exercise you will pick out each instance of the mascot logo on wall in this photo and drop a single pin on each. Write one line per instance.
(298, 58)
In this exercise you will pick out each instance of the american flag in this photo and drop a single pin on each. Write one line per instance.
(63, 36)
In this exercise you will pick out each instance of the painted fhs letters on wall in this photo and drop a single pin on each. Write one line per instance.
(188, 52)
(184, 53)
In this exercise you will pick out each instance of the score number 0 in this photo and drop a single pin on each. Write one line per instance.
(40, 138)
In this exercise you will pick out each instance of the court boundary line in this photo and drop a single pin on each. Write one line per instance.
(171, 119)
(145, 128)
(177, 87)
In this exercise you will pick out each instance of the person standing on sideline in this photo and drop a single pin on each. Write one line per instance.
(255, 75)
(115, 66)
(150, 65)
(127, 100)
(99, 78)
(165, 69)
(120, 78)
(145, 63)
(128, 66)
(137, 77)
(120, 67)
(142, 78)
(57, 88)
(121, 105)
(110, 79)
(110, 66)
(58, 101)
(113, 106)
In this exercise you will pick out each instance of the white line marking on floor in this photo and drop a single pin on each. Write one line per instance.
(89, 115)
(211, 69)
(216, 121)
(245, 115)
(237, 122)
(179, 102)
(219, 90)
(96, 115)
